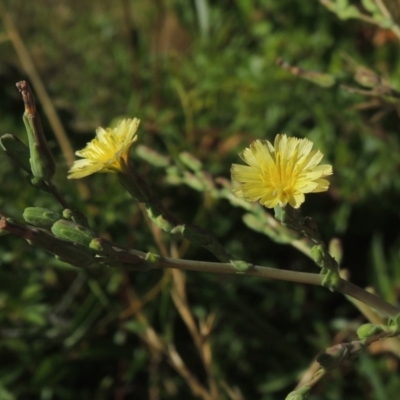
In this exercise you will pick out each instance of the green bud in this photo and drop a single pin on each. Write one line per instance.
(317, 253)
(16, 150)
(75, 216)
(41, 160)
(365, 331)
(40, 217)
(72, 253)
(190, 161)
(68, 230)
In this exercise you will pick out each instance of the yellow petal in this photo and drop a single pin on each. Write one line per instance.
(108, 151)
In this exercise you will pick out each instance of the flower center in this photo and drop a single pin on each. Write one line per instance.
(279, 176)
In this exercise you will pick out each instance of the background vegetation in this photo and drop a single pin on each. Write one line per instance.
(202, 77)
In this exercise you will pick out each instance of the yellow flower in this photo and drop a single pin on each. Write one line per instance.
(280, 174)
(108, 151)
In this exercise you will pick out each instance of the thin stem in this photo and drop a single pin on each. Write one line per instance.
(56, 193)
(346, 287)
(255, 270)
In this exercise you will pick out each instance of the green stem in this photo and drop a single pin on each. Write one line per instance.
(58, 196)
(346, 287)
(254, 270)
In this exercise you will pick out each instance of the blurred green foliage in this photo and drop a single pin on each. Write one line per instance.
(203, 79)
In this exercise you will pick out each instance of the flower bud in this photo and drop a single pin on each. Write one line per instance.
(71, 253)
(365, 331)
(40, 217)
(318, 254)
(41, 160)
(68, 230)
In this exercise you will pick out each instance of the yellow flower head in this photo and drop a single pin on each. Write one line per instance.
(280, 174)
(108, 151)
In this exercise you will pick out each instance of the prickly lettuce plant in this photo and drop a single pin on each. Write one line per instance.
(276, 175)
